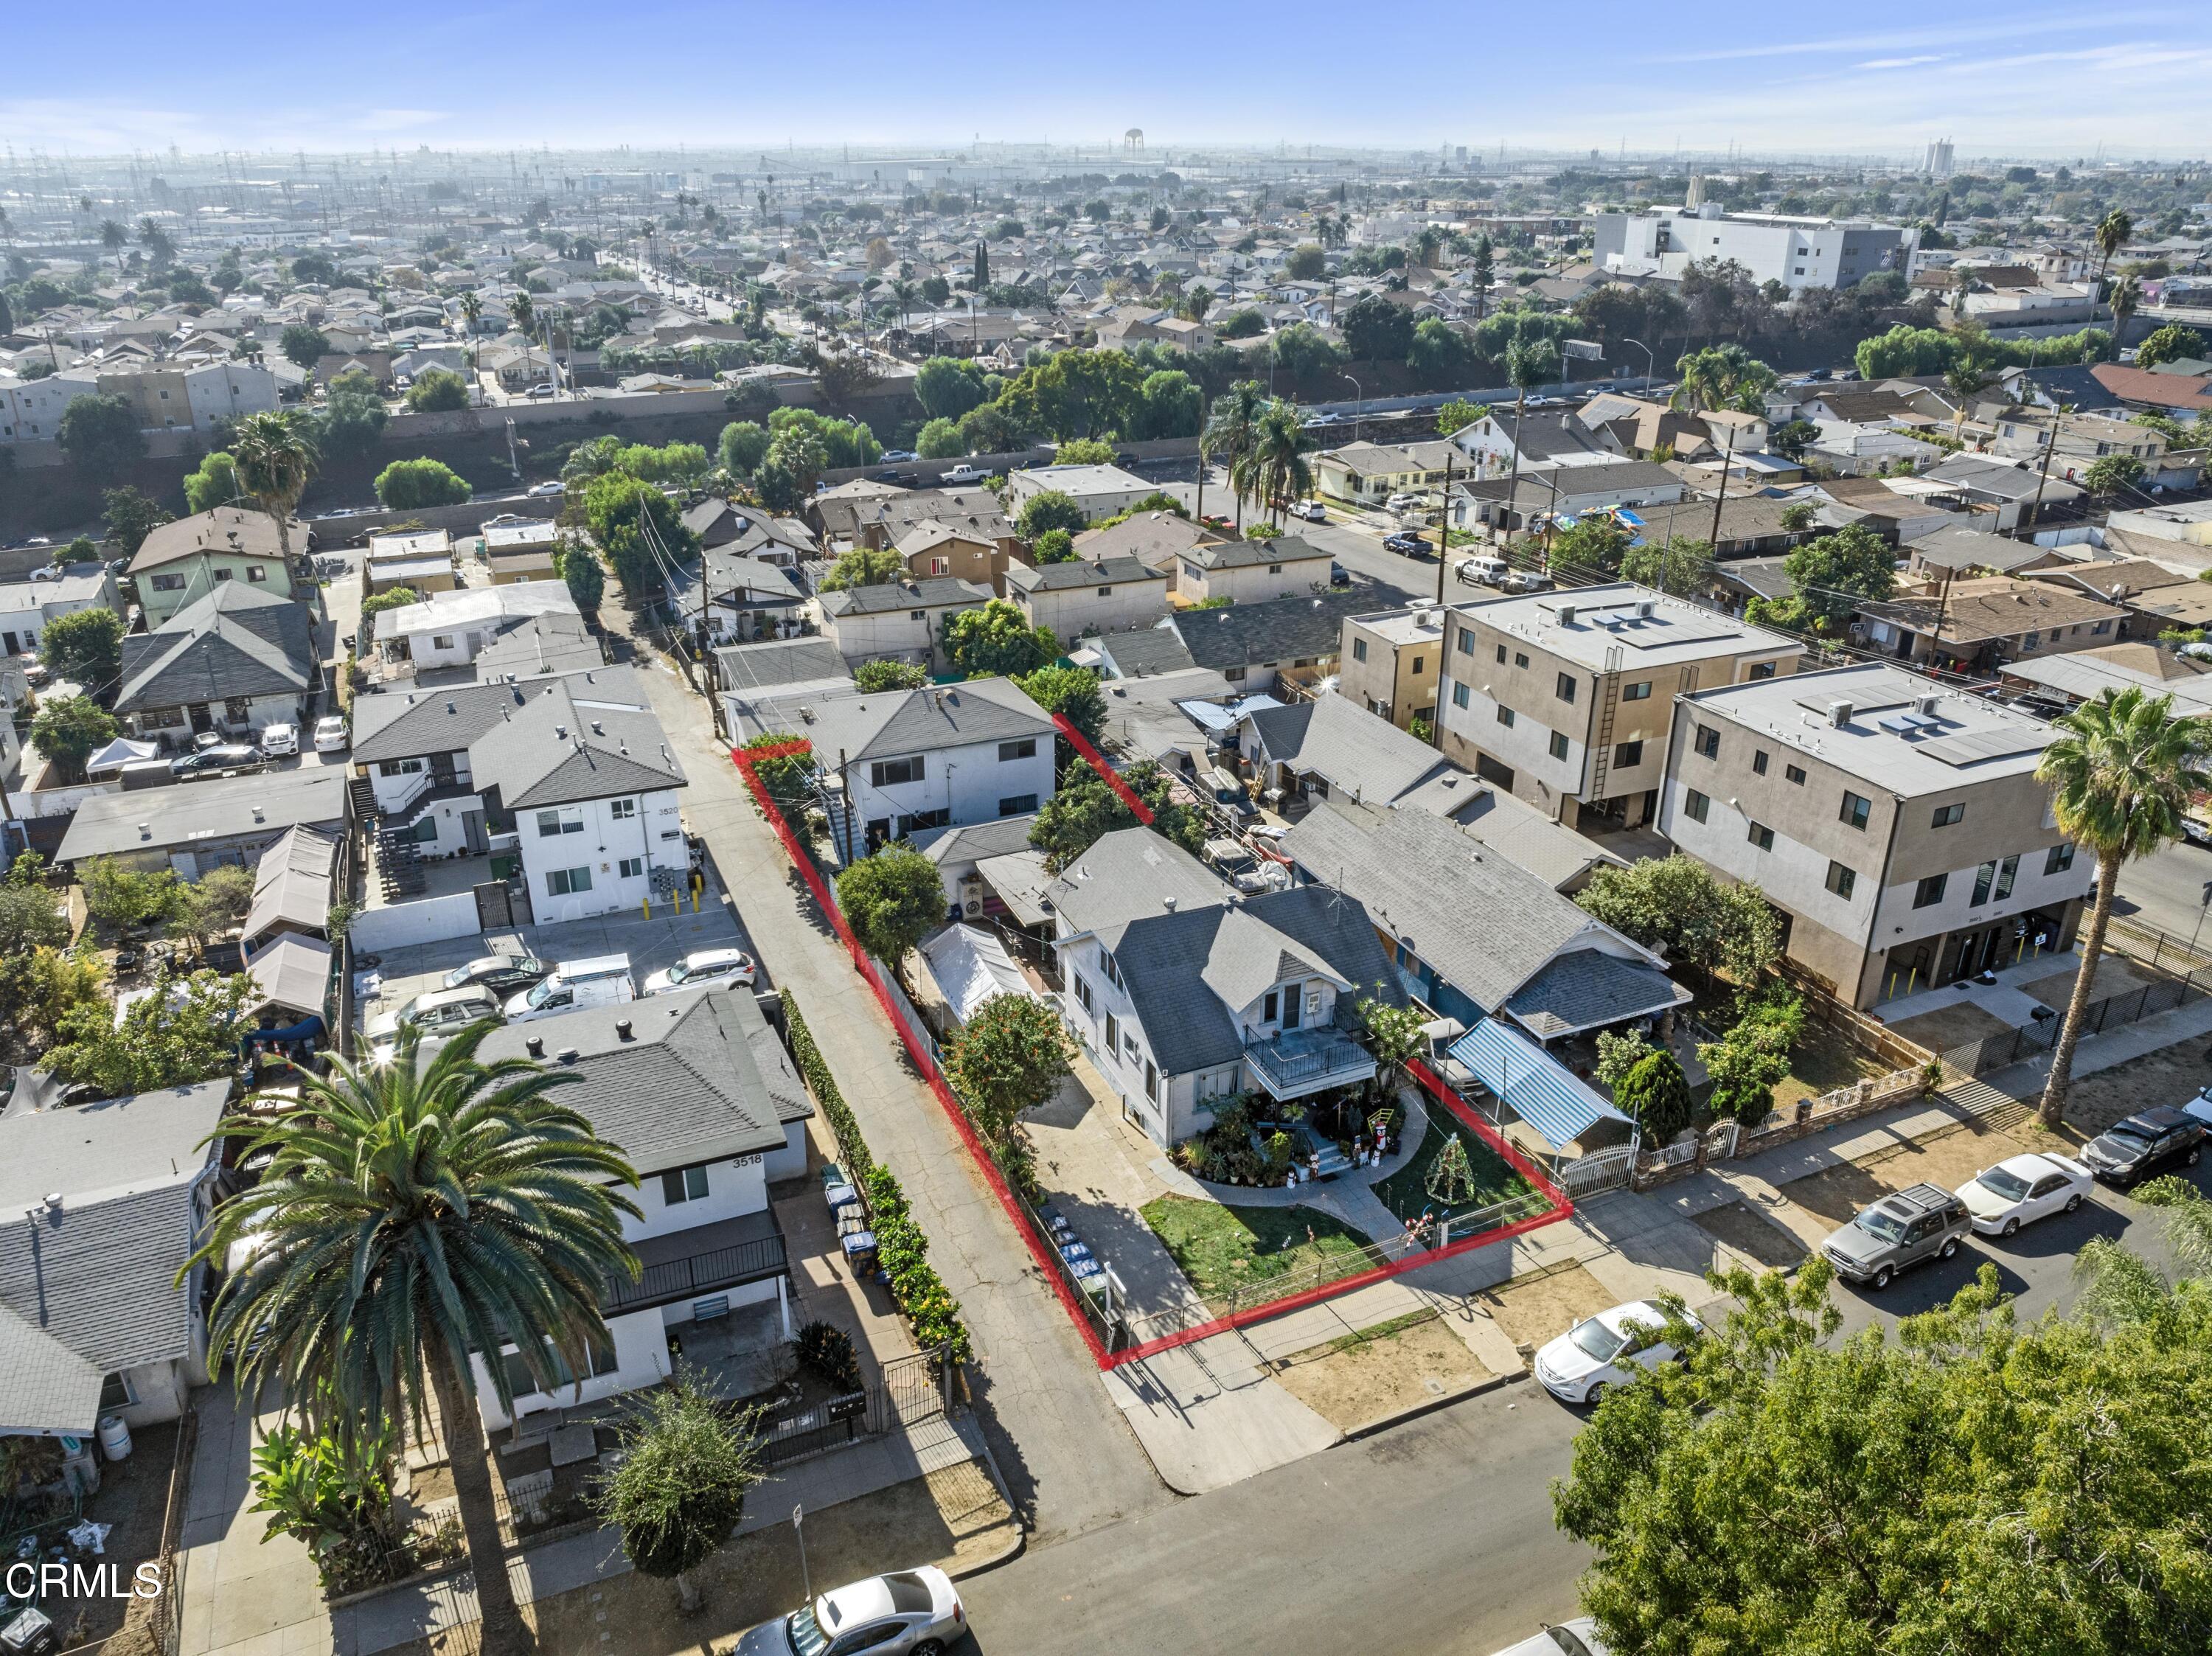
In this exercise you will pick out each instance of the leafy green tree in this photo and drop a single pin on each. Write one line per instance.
(1231, 430)
(1305, 262)
(1273, 469)
(1832, 574)
(1376, 331)
(1171, 404)
(876, 676)
(1244, 323)
(892, 899)
(743, 446)
(1790, 439)
(1303, 352)
(1656, 1096)
(40, 984)
(130, 518)
(1618, 1053)
(101, 434)
(1394, 1034)
(274, 461)
(213, 904)
(864, 566)
(1595, 543)
(1012, 1056)
(1439, 351)
(2122, 770)
(640, 529)
(2169, 344)
(1753, 1058)
(1086, 807)
(438, 391)
(1083, 452)
(1676, 905)
(1904, 351)
(1049, 509)
(684, 1465)
(585, 576)
(947, 388)
(1975, 1482)
(996, 638)
(939, 439)
(69, 730)
(354, 416)
(1457, 414)
(120, 899)
(2114, 474)
(1721, 377)
(184, 1030)
(1677, 565)
(30, 916)
(406, 485)
(401, 1224)
(1073, 692)
(302, 345)
(85, 647)
(216, 483)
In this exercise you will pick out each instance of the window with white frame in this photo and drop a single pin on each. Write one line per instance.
(567, 881)
(551, 824)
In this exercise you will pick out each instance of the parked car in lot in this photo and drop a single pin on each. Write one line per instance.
(702, 968)
(1484, 569)
(2022, 1189)
(1338, 574)
(279, 739)
(1411, 544)
(1908, 1227)
(2146, 1144)
(599, 981)
(501, 974)
(331, 734)
(906, 1613)
(1575, 1638)
(223, 759)
(433, 1012)
(1312, 512)
(1607, 1349)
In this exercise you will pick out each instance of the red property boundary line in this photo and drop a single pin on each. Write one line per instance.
(748, 759)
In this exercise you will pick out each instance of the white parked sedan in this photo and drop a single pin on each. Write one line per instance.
(2023, 1189)
(1607, 1349)
(331, 733)
(907, 1613)
(1575, 1638)
(703, 969)
(280, 739)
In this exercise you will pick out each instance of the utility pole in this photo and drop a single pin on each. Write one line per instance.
(1726, 460)
(1443, 526)
(2043, 472)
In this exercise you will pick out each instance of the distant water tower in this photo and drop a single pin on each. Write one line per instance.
(1132, 141)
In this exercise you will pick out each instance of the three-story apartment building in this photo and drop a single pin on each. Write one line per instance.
(1898, 826)
(1563, 699)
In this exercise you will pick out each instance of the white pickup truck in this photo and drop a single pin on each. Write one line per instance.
(964, 474)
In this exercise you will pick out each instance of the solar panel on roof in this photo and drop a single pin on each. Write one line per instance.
(1973, 747)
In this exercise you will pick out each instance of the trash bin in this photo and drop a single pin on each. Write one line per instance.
(860, 1253)
(1804, 1111)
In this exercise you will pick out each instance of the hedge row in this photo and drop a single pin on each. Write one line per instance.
(930, 1309)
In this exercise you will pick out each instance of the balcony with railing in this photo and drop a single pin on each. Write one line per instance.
(685, 1264)
(1298, 1062)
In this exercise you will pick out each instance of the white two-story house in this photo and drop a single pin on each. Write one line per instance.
(904, 761)
(571, 773)
(697, 1093)
(898, 621)
(1185, 992)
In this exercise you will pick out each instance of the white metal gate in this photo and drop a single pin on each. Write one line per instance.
(1602, 1170)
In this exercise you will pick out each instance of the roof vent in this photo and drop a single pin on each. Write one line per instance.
(258, 815)
(53, 1201)
(597, 729)
(1168, 902)
(623, 1030)
(145, 831)
(567, 1055)
(562, 732)
(534, 1046)
(1840, 713)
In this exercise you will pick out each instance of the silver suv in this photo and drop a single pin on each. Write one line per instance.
(1918, 1223)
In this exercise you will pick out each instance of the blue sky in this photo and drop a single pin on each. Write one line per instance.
(2030, 78)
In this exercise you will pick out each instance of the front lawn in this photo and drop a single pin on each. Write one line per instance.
(1222, 1249)
(1406, 1192)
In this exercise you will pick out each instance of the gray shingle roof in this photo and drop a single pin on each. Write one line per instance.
(236, 641)
(1248, 555)
(1352, 750)
(686, 1087)
(938, 592)
(1587, 989)
(911, 721)
(1144, 652)
(1076, 573)
(1277, 630)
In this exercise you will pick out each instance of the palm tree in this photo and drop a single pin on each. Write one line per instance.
(1529, 363)
(472, 312)
(2113, 233)
(114, 237)
(1274, 469)
(2121, 771)
(1228, 436)
(1965, 379)
(524, 314)
(413, 1214)
(275, 462)
(2126, 297)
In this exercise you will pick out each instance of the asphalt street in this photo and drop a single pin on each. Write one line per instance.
(2169, 890)
(1399, 580)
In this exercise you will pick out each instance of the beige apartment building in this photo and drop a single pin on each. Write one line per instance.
(1388, 663)
(1897, 826)
(1564, 699)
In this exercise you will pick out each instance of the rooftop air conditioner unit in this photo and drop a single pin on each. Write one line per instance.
(1566, 615)
(1645, 608)
(1840, 713)
(1925, 707)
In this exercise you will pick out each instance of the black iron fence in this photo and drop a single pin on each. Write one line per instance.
(699, 1273)
(2010, 1046)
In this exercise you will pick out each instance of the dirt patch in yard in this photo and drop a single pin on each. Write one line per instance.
(1837, 1193)
(2115, 975)
(1951, 1026)
(1750, 1234)
(1379, 1371)
(2172, 1074)
(1533, 1309)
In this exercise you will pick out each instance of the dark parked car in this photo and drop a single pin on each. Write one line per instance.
(2130, 1151)
(503, 975)
(224, 759)
(1338, 574)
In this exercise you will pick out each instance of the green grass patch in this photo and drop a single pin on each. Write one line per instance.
(1222, 1249)
(1359, 1337)
(1406, 1192)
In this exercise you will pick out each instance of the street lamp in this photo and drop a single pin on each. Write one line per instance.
(1358, 407)
(1646, 349)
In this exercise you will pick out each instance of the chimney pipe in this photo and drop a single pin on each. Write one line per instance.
(534, 1046)
(623, 1030)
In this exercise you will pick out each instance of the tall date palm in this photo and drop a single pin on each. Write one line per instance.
(1228, 436)
(2121, 770)
(412, 1214)
(274, 461)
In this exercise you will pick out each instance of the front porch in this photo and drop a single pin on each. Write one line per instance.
(1299, 1063)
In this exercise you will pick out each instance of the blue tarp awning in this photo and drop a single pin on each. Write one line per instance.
(1539, 1089)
